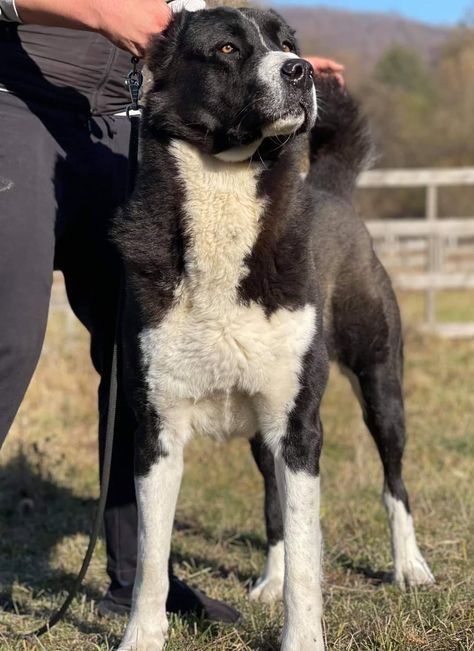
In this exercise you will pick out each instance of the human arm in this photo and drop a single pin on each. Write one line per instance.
(126, 23)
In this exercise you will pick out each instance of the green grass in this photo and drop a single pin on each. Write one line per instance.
(451, 305)
(48, 490)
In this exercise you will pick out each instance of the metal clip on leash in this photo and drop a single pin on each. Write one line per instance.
(134, 82)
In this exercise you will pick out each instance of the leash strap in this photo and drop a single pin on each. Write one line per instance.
(100, 507)
(134, 82)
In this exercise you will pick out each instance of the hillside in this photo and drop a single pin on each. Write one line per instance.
(360, 37)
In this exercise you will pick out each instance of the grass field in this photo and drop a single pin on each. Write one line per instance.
(48, 490)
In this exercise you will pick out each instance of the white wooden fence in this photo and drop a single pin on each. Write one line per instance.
(420, 254)
(426, 254)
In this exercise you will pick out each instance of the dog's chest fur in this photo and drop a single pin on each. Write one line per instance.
(212, 356)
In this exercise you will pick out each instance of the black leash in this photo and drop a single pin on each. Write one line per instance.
(134, 82)
(104, 487)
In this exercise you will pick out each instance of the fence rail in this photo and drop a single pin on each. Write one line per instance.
(447, 245)
(426, 255)
(448, 227)
(417, 178)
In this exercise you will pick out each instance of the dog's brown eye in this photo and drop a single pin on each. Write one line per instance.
(286, 47)
(228, 48)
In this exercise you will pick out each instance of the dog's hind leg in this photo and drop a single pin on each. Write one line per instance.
(375, 357)
(384, 414)
(269, 586)
(159, 466)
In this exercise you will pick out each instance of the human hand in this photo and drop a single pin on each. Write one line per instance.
(327, 67)
(130, 24)
(133, 26)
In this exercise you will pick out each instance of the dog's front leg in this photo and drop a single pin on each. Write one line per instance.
(269, 586)
(296, 440)
(300, 499)
(159, 467)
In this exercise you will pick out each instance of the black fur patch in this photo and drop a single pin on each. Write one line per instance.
(281, 267)
(149, 232)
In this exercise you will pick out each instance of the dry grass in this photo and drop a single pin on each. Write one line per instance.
(48, 489)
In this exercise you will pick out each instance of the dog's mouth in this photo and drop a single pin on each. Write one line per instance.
(293, 121)
(289, 123)
(286, 124)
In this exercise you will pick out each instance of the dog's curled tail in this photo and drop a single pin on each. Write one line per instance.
(340, 143)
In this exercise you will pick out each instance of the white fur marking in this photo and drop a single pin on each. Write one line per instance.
(239, 153)
(300, 497)
(157, 494)
(269, 586)
(411, 569)
(269, 74)
(260, 35)
(284, 126)
(314, 114)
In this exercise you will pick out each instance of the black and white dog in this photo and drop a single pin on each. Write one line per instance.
(241, 281)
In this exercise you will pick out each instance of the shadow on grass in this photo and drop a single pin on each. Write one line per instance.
(217, 569)
(377, 577)
(249, 538)
(240, 539)
(35, 516)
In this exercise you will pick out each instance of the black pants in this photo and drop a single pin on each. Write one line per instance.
(62, 176)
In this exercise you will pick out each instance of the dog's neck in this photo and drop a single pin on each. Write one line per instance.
(223, 213)
(232, 215)
(221, 229)
(274, 169)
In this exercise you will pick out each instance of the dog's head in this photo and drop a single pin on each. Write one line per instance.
(226, 79)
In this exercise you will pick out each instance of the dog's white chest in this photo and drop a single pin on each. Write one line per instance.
(211, 357)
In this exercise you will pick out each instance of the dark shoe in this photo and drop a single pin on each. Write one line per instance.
(182, 600)
(117, 601)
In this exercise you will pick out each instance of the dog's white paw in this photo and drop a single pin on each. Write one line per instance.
(267, 590)
(414, 572)
(149, 644)
(269, 586)
(411, 569)
(304, 638)
(140, 638)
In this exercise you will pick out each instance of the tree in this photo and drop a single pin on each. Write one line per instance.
(401, 68)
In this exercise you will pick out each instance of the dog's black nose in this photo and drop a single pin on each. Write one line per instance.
(298, 71)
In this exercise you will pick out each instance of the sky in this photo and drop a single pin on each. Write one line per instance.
(436, 11)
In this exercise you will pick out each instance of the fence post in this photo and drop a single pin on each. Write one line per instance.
(433, 252)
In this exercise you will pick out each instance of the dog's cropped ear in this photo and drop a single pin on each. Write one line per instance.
(164, 45)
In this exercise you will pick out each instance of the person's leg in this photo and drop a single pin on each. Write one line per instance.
(90, 184)
(27, 213)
